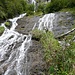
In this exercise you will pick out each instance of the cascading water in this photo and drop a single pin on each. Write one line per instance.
(46, 22)
(13, 50)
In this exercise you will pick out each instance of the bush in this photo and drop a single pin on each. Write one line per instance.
(41, 7)
(1, 30)
(53, 6)
(71, 3)
(8, 24)
(9, 9)
(57, 5)
(30, 9)
(36, 34)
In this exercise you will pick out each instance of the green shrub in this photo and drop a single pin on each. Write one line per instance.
(71, 3)
(36, 34)
(2, 12)
(30, 9)
(1, 30)
(9, 9)
(7, 24)
(24, 4)
(57, 5)
(53, 6)
(41, 7)
(29, 13)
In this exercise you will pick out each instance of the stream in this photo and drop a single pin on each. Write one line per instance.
(13, 50)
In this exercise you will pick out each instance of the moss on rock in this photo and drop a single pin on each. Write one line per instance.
(36, 34)
(8, 24)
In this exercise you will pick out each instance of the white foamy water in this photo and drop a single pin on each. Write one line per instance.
(46, 22)
(33, 1)
(13, 49)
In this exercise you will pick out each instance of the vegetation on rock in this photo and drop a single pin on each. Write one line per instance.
(59, 61)
(8, 24)
(36, 34)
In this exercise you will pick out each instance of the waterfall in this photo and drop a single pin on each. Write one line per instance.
(46, 22)
(13, 50)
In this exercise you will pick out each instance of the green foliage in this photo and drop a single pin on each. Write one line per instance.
(1, 30)
(57, 5)
(30, 9)
(41, 7)
(2, 11)
(59, 61)
(2, 14)
(53, 6)
(9, 9)
(71, 10)
(37, 34)
(7, 23)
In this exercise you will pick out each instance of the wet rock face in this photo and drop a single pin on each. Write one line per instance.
(26, 24)
(38, 64)
(63, 22)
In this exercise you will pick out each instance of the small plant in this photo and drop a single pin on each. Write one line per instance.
(7, 24)
(36, 34)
